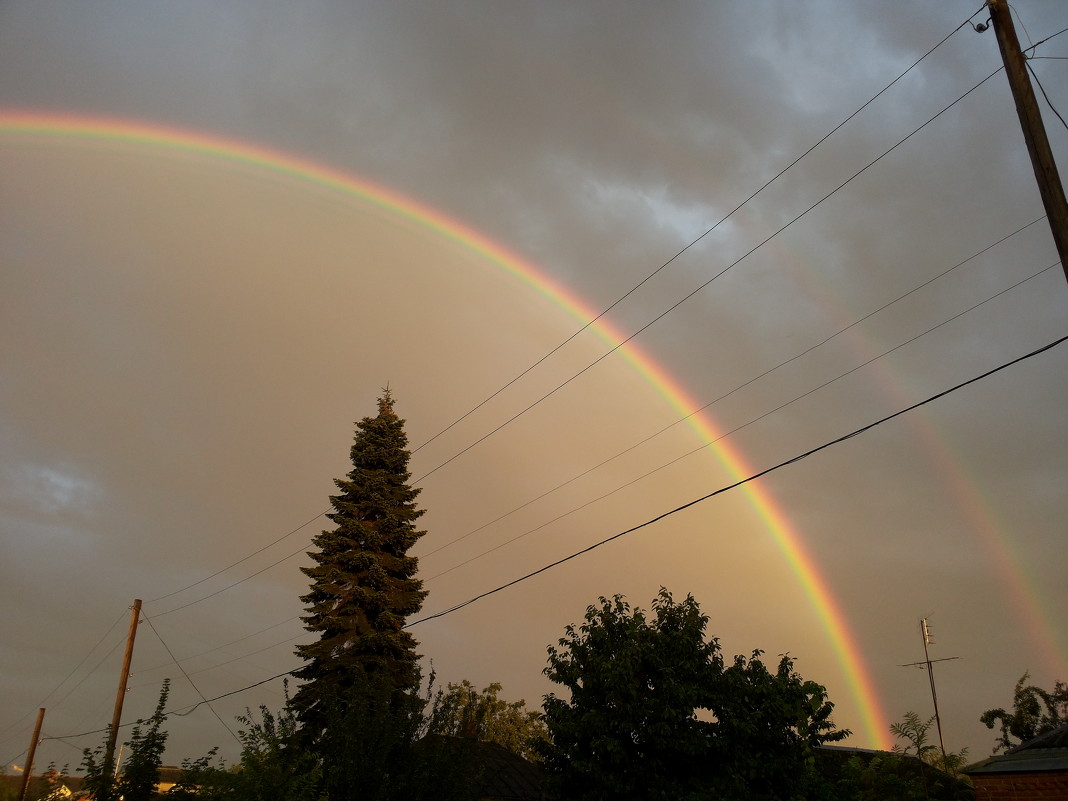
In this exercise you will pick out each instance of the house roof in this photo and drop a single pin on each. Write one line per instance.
(503, 775)
(506, 776)
(1045, 753)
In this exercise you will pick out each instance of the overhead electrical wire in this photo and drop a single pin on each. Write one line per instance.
(1035, 46)
(633, 289)
(239, 561)
(652, 521)
(738, 483)
(224, 645)
(693, 292)
(724, 435)
(1029, 59)
(1046, 96)
(236, 658)
(692, 243)
(689, 453)
(192, 684)
(603, 356)
(616, 303)
(726, 395)
(67, 678)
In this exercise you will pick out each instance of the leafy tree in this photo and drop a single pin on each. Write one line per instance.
(363, 581)
(203, 779)
(140, 774)
(462, 711)
(632, 728)
(766, 728)
(371, 749)
(1034, 711)
(271, 767)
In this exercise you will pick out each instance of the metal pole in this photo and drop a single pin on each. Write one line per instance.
(926, 635)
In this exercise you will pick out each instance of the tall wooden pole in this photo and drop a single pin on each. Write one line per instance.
(113, 733)
(1049, 182)
(29, 757)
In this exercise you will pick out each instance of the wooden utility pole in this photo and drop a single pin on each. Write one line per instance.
(1049, 182)
(29, 757)
(113, 732)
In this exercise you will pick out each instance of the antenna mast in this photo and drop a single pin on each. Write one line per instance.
(925, 634)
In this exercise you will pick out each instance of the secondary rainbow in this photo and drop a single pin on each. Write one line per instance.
(37, 124)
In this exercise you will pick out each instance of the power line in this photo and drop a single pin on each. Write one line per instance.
(178, 664)
(69, 675)
(646, 524)
(231, 586)
(179, 712)
(239, 561)
(736, 484)
(732, 391)
(693, 292)
(1046, 96)
(583, 328)
(735, 430)
(691, 244)
(224, 645)
(707, 405)
(1034, 47)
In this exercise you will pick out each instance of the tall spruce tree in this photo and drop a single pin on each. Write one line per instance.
(363, 581)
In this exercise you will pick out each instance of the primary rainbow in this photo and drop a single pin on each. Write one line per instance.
(36, 124)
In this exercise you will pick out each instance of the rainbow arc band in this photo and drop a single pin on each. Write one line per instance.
(37, 125)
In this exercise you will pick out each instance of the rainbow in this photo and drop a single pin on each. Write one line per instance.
(37, 125)
(983, 519)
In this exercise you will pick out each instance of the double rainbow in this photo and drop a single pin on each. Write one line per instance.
(36, 125)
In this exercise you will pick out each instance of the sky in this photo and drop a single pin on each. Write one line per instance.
(224, 228)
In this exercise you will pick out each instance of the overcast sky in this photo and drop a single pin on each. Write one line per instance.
(185, 342)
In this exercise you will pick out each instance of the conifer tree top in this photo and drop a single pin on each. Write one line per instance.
(385, 403)
(363, 582)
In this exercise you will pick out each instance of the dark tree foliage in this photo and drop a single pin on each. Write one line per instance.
(140, 772)
(914, 771)
(1034, 711)
(767, 725)
(462, 711)
(654, 713)
(629, 729)
(899, 777)
(363, 584)
(374, 749)
(270, 767)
